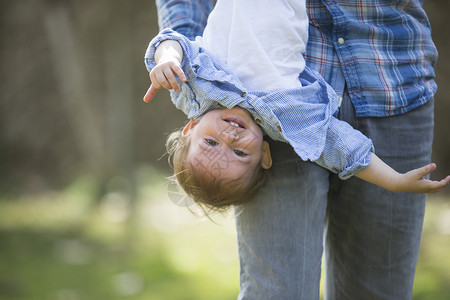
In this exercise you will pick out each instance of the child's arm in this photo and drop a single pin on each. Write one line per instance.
(381, 174)
(168, 57)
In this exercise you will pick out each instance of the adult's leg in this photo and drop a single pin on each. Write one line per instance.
(280, 232)
(373, 235)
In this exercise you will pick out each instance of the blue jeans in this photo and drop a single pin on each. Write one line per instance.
(371, 235)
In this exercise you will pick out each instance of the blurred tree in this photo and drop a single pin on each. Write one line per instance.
(71, 86)
(65, 53)
(436, 10)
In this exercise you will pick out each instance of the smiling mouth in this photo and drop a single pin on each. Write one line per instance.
(234, 122)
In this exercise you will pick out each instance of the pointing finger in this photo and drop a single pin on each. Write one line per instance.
(151, 92)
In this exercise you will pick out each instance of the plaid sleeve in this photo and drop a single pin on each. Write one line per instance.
(187, 17)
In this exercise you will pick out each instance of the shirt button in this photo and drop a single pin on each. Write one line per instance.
(244, 94)
(279, 128)
(258, 121)
(341, 41)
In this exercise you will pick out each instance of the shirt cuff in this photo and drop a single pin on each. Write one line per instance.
(169, 34)
(357, 166)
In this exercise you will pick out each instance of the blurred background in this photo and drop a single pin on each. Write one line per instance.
(84, 211)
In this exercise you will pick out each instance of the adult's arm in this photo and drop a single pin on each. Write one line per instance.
(186, 17)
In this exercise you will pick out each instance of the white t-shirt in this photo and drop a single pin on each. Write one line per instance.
(262, 41)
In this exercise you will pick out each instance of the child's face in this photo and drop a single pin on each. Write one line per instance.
(227, 143)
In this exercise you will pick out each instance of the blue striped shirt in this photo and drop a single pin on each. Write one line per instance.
(380, 51)
(302, 116)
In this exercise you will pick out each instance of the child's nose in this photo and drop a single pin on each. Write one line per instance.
(230, 136)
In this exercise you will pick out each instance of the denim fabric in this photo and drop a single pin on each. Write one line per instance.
(372, 235)
(280, 232)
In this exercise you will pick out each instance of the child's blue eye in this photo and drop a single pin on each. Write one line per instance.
(211, 142)
(239, 153)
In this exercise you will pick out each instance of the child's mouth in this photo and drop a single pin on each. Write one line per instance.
(234, 122)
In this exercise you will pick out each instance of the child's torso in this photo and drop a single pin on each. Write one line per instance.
(262, 41)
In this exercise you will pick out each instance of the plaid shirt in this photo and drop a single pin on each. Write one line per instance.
(380, 51)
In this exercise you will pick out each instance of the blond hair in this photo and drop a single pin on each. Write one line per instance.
(209, 192)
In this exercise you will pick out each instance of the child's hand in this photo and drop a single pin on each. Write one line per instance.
(379, 173)
(168, 58)
(414, 181)
(164, 75)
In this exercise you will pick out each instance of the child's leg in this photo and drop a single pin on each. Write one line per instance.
(373, 235)
(280, 232)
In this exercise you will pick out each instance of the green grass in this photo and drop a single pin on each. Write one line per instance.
(63, 246)
(432, 281)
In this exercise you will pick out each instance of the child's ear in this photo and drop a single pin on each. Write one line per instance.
(266, 158)
(190, 125)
